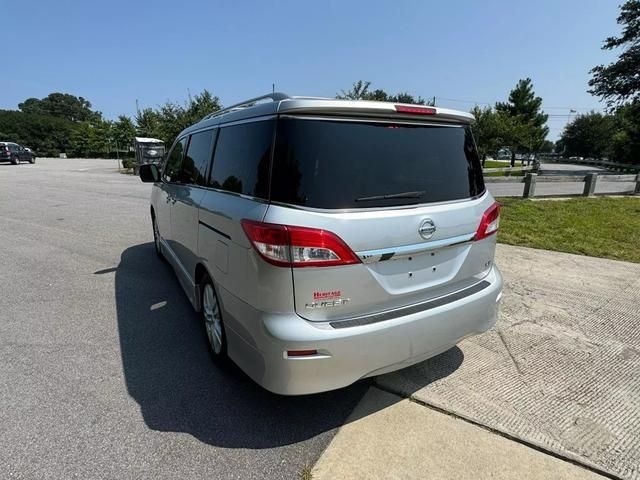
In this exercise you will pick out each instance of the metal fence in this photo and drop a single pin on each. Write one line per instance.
(590, 181)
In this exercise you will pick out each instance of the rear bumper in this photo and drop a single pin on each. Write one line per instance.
(258, 341)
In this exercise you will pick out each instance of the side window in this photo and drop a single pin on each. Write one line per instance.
(174, 161)
(197, 158)
(242, 157)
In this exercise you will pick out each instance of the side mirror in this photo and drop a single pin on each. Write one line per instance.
(149, 173)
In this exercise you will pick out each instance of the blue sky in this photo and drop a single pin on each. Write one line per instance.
(114, 52)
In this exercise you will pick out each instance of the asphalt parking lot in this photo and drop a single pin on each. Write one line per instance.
(104, 371)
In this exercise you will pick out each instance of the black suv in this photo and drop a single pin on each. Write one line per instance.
(14, 153)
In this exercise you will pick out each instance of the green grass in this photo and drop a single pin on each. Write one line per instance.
(504, 174)
(598, 227)
(494, 164)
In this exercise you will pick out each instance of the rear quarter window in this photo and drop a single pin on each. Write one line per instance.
(351, 164)
(242, 158)
(174, 161)
(197, 158)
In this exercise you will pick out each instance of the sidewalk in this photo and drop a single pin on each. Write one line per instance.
(559, 371)
(393, 438)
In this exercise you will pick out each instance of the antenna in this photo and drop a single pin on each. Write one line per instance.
(273, 88)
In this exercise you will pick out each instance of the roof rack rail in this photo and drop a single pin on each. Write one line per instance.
(275, 97)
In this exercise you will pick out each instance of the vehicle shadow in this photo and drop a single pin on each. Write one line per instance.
(169, 373)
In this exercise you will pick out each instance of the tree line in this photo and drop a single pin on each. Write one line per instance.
(64, 123)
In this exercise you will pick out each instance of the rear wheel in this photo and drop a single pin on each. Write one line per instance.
(15, 160)
(212, 317)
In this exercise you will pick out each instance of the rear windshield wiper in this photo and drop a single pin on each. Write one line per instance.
(392, 195)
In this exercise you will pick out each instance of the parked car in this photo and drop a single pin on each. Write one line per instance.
(324, 241)
(33, 154)
(14, 153)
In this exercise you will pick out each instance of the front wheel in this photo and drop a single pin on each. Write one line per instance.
(156, 236)
(212, 317)
(32, 160)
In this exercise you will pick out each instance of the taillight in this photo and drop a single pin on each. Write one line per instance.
(489, 223)
(415, 110)
(290, 246)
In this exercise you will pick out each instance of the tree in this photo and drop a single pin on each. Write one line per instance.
(148, 123)
(62, 105)
(81, 140)
(619, 81)
(168, 120)
(625, 141)
(123, 132)
(488, 130)
(102, 139)
(619, 85)
(47, 135)
(524, 107)
(494, 129)
(360, 91)
(589, 135)
(547, 147)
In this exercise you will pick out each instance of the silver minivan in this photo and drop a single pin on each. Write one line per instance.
(325, 241)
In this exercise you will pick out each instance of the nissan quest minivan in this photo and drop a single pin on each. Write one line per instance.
(325, 241)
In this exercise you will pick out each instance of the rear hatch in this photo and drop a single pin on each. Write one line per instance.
(406, 196)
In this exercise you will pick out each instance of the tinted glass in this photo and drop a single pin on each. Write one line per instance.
(241, 161)
(341, 164)
(174, 161)
(194, 165)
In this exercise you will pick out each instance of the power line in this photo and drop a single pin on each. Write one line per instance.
(544, 107)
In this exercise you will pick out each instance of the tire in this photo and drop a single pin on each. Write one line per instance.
(15, 161)
(211, 314)
(32, 160)
(156, 237)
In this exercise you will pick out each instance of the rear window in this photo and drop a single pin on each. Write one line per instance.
(344, 164)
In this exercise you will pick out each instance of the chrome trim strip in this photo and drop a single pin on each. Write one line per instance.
(382, 254)
(421, 307)
(480, 196)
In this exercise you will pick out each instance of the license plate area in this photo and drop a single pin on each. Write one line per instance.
(419, 271)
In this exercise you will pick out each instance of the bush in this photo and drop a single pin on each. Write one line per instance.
(128, 162)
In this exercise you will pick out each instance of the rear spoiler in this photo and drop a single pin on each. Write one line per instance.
(373, 109)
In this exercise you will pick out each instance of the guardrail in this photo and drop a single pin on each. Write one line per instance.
(590, 180)
(599, 163)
